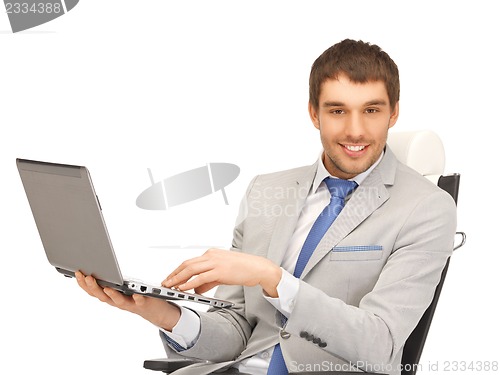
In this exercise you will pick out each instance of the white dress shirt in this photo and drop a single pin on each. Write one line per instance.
(187, 330)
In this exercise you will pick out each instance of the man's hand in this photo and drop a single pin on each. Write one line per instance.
(157, 311)
(222, 267)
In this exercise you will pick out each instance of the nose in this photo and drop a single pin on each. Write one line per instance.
(355, 128)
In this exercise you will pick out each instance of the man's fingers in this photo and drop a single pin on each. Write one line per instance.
(139, 300)
(119, 300)
(201, 281)
(206, 287)
(80, 279)
(190, 267)
(89, 284)
(186, 273)
(96, 290)
(184, 265)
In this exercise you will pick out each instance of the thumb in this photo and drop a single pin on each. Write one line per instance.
(139, 299)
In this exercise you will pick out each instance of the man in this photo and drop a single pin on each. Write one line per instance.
(345, 299)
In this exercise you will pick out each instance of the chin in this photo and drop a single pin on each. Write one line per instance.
(352, 170)
(349, 167)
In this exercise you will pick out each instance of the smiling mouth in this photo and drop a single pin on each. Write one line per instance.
(354, 148)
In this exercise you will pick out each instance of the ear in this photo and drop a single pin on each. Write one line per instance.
(394, 115)
(313, 114)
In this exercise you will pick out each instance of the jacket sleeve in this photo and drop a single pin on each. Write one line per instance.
(224, 332)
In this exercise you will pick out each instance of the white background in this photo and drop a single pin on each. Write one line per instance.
(121, 86)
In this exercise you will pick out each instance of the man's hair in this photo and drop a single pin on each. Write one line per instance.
(361, 62)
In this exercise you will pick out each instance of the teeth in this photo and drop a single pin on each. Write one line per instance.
(355, 148)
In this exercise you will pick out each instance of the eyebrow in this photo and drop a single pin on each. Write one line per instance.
(341, 104)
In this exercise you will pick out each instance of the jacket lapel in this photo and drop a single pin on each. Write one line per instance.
(287, 222)
(367, 198)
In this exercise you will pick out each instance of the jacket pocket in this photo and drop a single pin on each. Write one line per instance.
(353, 253)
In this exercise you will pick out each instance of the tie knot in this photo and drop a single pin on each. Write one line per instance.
(340, 188)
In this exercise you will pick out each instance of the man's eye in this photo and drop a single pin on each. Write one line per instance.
(337, 111)
(371, 110)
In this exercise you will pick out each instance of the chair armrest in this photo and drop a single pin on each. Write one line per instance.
(168, 365)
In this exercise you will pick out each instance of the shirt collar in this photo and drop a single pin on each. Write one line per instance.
(322, 173)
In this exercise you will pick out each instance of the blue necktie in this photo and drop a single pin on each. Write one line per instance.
(339, 189)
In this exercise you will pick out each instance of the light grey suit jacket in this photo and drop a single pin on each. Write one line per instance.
(364, 289)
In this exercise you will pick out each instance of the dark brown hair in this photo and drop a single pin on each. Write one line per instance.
(361, 62)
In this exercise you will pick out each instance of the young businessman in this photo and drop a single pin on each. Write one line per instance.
(346, 298)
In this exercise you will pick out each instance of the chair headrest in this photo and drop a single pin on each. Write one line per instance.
(421, 150)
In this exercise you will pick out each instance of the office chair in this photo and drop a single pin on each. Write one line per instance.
(424, 152)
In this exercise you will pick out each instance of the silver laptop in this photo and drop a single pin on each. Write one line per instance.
(68, 216)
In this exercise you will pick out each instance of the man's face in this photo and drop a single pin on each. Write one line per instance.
(353, 120)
